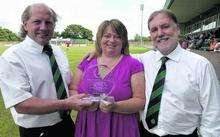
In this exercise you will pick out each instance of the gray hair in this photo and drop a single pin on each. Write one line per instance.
(170, 14)
(26, 15)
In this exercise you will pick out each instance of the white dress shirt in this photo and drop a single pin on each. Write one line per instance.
(191, 96)
(29, 74)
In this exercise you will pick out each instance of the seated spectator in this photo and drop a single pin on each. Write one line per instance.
(200, 41)
(217, 47)
(184, 44)
(212, 44)
(192, 44)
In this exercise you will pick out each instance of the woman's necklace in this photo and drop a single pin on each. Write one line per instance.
(110, 63)
(106, 67)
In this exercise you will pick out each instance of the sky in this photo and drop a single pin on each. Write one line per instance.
(87, 13)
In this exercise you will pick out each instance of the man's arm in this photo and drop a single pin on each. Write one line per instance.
(16, 93)
(210, 101)
(35, 105)
(137, 56)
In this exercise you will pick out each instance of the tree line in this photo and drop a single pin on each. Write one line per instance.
(75, 32)
(72, 31)
(7, 35)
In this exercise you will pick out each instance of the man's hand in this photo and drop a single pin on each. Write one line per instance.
(76, 102)
(90, 55)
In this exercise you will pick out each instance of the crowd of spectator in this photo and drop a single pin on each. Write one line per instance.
(208, 40)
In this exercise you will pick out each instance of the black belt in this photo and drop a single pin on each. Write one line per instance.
(66, 124)
(145, 133)
(194, 134)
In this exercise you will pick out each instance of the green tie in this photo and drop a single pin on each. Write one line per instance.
(57, 77)
(155, 98)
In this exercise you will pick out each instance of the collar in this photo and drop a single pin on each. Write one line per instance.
(32, 46)
(174, 55)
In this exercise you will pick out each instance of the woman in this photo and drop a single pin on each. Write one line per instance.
(112, 119)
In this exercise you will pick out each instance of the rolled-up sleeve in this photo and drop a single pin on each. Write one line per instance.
(15, 88)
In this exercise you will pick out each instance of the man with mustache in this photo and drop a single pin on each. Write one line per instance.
(185, 100)
(29, 85)
(182, 89)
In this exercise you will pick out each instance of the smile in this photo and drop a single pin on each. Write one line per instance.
(162, 39)
(111, 46)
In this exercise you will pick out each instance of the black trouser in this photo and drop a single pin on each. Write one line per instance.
(145, 133)
(65, 128)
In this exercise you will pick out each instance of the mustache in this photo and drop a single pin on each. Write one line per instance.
(162, 37)
(43, 32)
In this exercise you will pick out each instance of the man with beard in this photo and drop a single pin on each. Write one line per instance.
(182, 90)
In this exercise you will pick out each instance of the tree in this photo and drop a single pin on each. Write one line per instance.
(7, 35)
(76, 32)
(138, 38)
(56, 34)
(87, 34)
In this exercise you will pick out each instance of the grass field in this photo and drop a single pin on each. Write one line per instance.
(74, 54)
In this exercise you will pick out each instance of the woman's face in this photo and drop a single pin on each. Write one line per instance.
(111, 43)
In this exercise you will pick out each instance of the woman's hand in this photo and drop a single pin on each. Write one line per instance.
(93, 107)
(107, 105)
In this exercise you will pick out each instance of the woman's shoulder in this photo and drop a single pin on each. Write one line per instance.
(131, 60)
(85, 63)
(134, 64)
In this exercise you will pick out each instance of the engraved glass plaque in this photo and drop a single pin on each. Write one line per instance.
(100, 82)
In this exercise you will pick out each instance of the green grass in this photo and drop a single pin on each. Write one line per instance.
(75, 55)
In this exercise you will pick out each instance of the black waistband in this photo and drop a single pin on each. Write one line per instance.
(63, 128)
(67, 118)
(194, 134)
(145, 133)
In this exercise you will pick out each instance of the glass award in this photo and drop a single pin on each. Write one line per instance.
(100, 83)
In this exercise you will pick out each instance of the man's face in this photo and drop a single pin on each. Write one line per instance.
(164, 33)
(40, 26)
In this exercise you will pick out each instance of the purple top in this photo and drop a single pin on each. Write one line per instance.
(100, 124)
